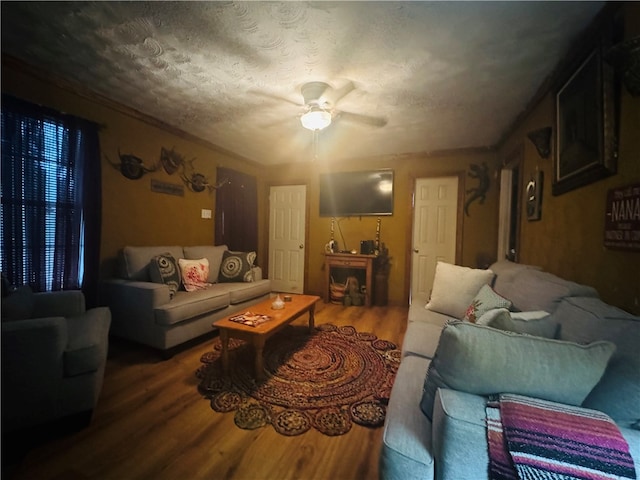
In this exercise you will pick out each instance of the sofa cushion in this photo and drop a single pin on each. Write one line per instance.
(242, 292)
(237, 267)
(421, 338)
(406, 439)
(506, 272)
(187, 305)
(213, 253)
(164, 269)
(535, 290)
(528, 323)
(454, 287)
(486, 299)
(135, 260)
(485, 361)
(194, 273)
(587, 319)
(459, 419)
(417, 313)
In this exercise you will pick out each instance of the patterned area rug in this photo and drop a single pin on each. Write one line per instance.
(326, 380)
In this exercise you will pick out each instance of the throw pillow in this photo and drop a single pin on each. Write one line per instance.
(454, 287)
(485, 361)
(164, 269)
(194, 273)
(539, 324)
(19, 304)
(237, 266)
(486, 299)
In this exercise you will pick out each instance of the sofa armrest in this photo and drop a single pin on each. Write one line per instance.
(135, 295)
(58, 304)
(88, 341)
(32, 351)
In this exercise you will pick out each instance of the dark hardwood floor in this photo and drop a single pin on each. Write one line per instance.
(151, 422)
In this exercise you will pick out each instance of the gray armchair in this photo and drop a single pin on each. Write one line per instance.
(54, 353)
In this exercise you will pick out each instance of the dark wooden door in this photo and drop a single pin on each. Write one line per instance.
(236, 222)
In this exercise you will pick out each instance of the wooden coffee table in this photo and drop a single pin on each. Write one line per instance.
(257, 336)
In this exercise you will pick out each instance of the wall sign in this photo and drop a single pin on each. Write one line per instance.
(622, 220)
(168, 188)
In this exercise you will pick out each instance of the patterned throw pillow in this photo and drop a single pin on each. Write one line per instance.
(164, 269)
(486, 299)
(194, 273)
(237, 267)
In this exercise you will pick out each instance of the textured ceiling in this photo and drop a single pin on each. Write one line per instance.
(444, 75)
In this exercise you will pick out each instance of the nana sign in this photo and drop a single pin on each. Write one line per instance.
(622, 221)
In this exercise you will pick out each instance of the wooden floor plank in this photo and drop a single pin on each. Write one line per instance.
(151, 422)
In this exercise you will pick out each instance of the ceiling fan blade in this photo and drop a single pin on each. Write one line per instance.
(334, 95)
(271, 96)
(360, 118)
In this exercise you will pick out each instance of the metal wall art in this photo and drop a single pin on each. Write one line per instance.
(131, 166)
(172, 162)
(480, 173)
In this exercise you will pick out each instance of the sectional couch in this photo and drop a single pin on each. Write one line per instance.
(159, 312)
(552, 339)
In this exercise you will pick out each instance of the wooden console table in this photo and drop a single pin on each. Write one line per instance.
(349, 260)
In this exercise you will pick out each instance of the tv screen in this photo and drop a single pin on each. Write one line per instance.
(345, 194)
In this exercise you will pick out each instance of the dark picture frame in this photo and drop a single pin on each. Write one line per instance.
(585, 149)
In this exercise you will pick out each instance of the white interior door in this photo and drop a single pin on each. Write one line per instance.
(287, 224)
(434, 231)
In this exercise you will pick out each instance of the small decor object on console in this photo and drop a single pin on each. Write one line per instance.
(277, 304)
(250, 318)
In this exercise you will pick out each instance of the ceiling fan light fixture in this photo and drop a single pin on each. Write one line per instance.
(316, 119)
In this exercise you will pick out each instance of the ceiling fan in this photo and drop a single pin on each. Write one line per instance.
(320, 110)
(320, 101)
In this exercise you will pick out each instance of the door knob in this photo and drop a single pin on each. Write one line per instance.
(301, 245)
(415, 250)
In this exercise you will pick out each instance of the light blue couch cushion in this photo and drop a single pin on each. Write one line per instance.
(460, 436)
(406, 441)
(482, 360)
(421, 338)
(187, 305)
(535, 290)
(135, 260)
(502, 319)
(586, 319)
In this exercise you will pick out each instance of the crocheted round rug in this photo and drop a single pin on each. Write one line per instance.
(325, 380)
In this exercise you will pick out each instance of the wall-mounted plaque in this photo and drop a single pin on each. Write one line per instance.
(622, 221)
(168, 188)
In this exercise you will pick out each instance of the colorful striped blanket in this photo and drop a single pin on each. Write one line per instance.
(532, 439)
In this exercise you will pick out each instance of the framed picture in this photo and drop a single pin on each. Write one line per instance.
(533, 197)
(585, 120)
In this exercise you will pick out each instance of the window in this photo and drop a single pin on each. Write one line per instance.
(48, 194)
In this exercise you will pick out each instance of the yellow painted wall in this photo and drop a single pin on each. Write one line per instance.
(131, 213)
(479, 233)
(568, 240)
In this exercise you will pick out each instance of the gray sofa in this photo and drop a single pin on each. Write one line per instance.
(452, 445)
(145, 311)
(54, 353)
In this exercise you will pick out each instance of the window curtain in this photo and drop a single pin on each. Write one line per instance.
(51, 193)
(237, 211)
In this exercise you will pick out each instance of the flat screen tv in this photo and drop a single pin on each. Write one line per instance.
(347, 194)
